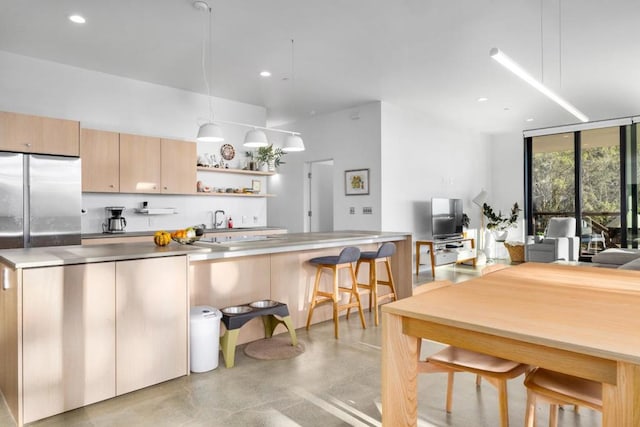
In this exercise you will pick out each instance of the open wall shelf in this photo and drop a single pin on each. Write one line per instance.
(235, 194)
(237, 171)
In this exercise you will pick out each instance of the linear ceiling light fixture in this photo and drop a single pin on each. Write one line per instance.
(209, 131)
(516, 69)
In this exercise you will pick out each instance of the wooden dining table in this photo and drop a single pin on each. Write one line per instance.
(582, 321)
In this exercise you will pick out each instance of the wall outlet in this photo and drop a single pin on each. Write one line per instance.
(255, 219)
(367, 210)
(352, 210)
(244, 219)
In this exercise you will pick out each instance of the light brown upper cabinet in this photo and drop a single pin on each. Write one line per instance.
(100, 153)
(34, 134)
(178, 171)
(139, 164)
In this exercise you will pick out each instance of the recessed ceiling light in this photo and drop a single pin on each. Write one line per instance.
(77, 19)
(483, 99)
(530, 119)
(265, 73)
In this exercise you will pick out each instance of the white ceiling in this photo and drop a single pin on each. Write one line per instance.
(428, 55)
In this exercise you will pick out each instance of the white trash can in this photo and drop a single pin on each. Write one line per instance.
(204, 338)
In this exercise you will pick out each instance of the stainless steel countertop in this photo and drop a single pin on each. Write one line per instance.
(238, 230)
(292, 242)
(289, 242)
(85, 254)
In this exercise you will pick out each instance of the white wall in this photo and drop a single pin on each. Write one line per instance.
(108, 102)
(422, 159)
(350, 137)
(411, 159)
(507, 177)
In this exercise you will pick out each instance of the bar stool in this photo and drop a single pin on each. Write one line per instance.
(334, 264)
(382, 255)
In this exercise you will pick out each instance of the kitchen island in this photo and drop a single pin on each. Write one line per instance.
(82, 324)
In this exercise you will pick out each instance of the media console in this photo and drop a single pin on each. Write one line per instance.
(447, 251)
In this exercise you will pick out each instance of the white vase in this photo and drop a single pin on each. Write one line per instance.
(263, 167)
(500, 235)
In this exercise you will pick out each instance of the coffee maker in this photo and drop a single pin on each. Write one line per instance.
(115, 222)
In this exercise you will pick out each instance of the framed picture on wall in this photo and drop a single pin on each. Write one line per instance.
(256, 185)
(356, 182)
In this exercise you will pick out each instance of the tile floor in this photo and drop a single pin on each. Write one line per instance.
(334, 383)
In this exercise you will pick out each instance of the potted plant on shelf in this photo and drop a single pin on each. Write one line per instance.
(498, 224)
(270, 156)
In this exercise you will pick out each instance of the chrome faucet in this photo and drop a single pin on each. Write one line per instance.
(217, 224)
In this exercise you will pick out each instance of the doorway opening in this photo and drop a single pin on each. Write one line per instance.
(319, 195)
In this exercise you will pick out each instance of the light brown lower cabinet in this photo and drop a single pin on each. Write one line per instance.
(68, 338)
(94, 331)
(151, 322)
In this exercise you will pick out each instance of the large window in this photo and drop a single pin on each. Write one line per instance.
(591, 175)
(553, 178)
(600, 195)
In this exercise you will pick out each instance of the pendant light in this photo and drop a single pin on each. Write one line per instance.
(255, 138)
(292, 142)
(209, 131)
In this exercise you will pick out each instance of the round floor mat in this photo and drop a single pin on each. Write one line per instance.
(275, 348)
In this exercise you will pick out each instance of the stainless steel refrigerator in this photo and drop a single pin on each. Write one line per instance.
(40, 200)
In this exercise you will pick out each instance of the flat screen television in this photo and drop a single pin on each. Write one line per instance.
(446, 218)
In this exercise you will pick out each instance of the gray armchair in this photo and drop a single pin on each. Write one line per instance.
(559, 243)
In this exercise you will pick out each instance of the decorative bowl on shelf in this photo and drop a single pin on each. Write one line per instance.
(185, 240)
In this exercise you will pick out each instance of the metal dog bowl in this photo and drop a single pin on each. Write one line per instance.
(238, 309)
(266, 303)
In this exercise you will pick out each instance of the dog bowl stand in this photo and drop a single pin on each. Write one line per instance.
(233, 323)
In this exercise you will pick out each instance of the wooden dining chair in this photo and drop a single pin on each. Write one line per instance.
(452, 359)
(559, 389)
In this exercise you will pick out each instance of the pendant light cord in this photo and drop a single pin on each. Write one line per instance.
(560, 39)
(293, 79)
(541, 42)
(204, 55)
